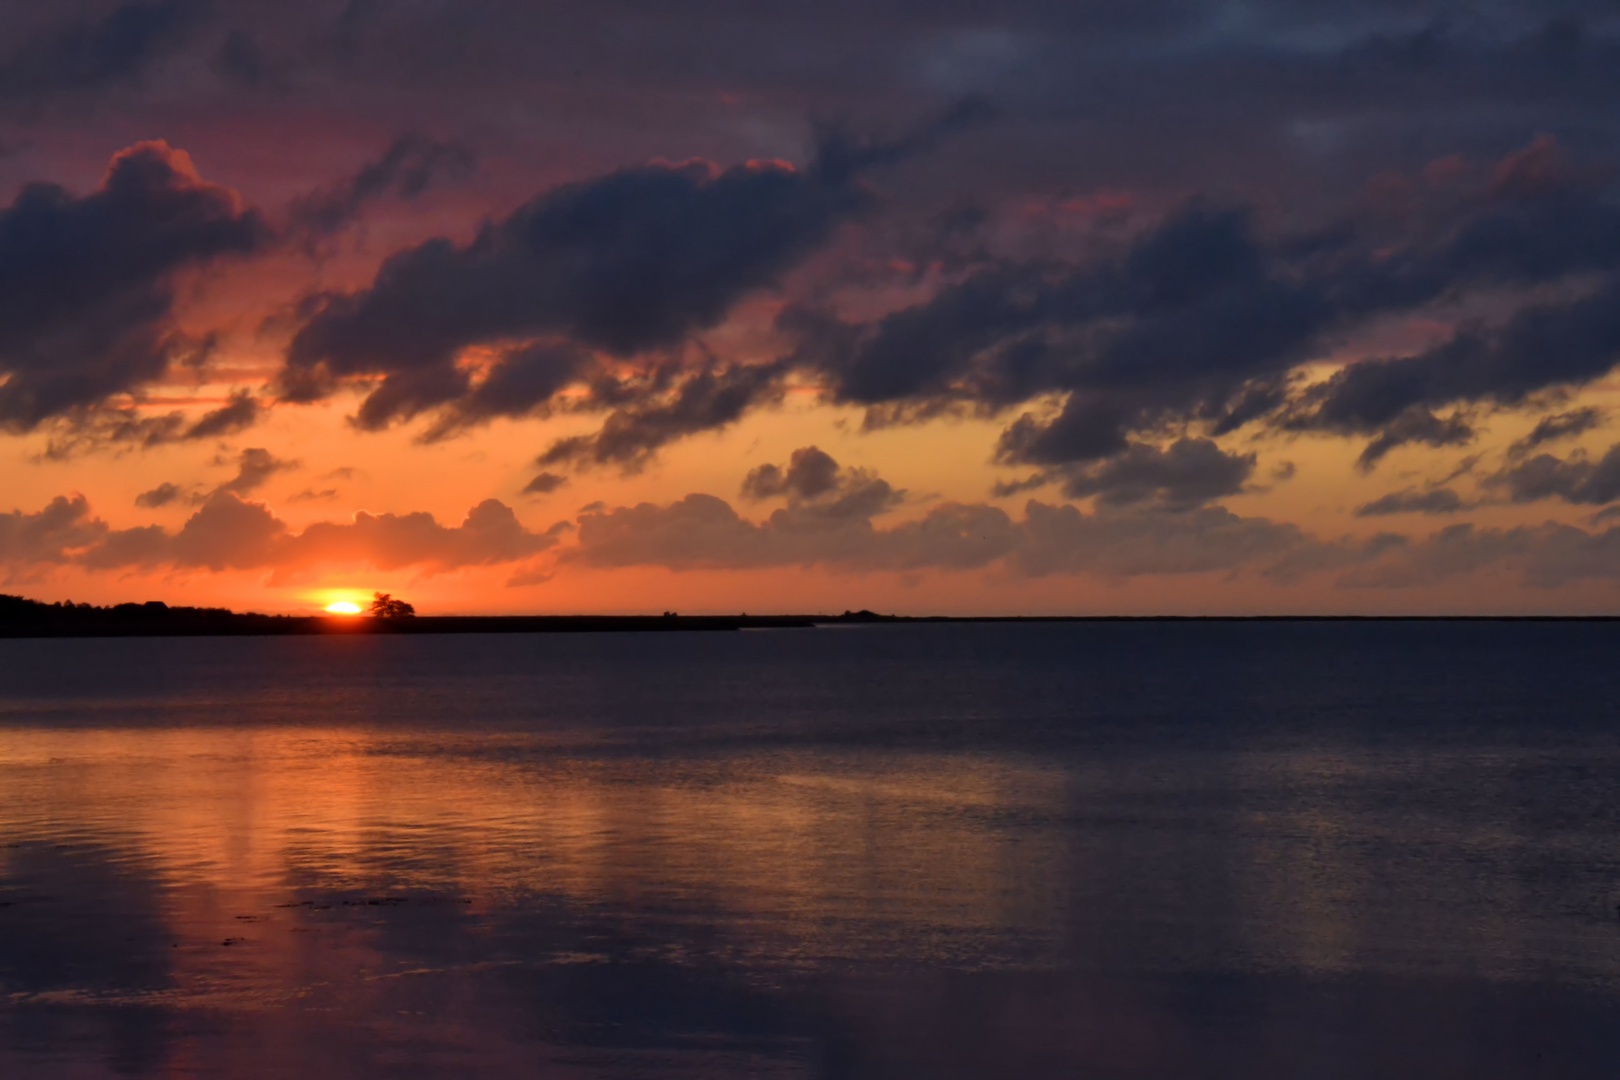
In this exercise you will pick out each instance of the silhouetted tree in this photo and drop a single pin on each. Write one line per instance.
(384, 606)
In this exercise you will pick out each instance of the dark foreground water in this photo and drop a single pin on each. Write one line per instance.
(1104, 850)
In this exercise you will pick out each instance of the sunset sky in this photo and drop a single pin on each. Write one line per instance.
(1034, 307)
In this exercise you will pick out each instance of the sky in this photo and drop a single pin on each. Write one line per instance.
(1028, 308)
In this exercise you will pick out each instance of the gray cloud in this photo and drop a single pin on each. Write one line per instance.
(1543, 556)
(1564, 425)
(1064, 539)
(544, 483)
(1003, 488)
(626, 266)
(522, 381)
(240, 413)
(242, 59)
(633, 261)
(1198, 328)
(410, 165)
(1574, 479)
(810, 472)
(1190, 472)
(162, 495)
(254, 468)
(1437, 501)
(1204, 318)
(701, 532)
(92, 53)
(86, 283)
(87, 431)
(664, 408)
(52, 535)
(817, 488)
(1542, 346)
(1415, 425)
(829, 522)
(229, 533)
(704, 532)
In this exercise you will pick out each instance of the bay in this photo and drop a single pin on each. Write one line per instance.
(1138, 849)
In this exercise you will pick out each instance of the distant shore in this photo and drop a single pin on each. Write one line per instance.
(21, 618)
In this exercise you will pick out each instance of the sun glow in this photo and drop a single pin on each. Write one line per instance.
(343, 607)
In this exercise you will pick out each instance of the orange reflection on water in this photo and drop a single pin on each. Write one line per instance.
(808, 854)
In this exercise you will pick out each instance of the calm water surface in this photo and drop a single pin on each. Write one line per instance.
(1110, 850)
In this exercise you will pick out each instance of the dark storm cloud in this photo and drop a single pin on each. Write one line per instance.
(409, 166)
(1438, 501)
(633, 261)
(1575, 479)
(1201, 324)
(1199, 328)
(1192, 302)
(87, 283)
(1542, 346)
(1194, 319)
(90, 53)
(1201, 320)
(1204, 318)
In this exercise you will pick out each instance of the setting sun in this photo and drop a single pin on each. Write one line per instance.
(343, 607)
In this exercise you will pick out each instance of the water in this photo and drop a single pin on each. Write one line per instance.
(1110, 850)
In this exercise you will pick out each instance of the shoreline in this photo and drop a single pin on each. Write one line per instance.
(133, 620)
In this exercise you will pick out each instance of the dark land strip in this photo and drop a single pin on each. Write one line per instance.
(23, 618)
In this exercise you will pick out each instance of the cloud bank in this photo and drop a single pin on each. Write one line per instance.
(229, 533)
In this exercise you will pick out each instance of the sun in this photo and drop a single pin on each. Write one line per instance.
(343, 607)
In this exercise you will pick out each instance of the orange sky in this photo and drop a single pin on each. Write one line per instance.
(357, 309)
